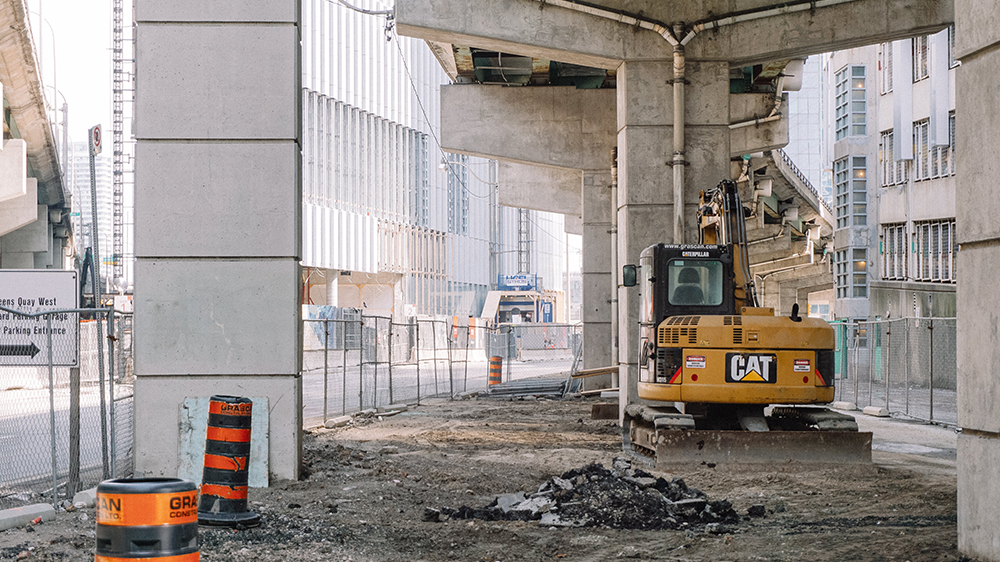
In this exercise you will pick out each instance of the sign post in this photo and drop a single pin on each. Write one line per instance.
(25, 340)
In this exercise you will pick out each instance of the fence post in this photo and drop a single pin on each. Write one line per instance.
(52, 415)
(465, 383)
(930, 328)
(391, 401)
(343, 372)
(105, 472)
(326, 366)
(451, 371)
(871, 358)
(857, 359)
(906, 367)
(434, 345)
(417, 350)
(361, 363)
(73, 486)
(888, 360)
(113, 461)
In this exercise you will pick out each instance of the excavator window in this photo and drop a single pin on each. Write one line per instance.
(695, 282)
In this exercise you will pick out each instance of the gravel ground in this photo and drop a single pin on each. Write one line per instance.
(367, 491)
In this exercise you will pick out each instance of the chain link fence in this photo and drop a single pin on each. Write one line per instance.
(352, 362)
(65, 402)
(906, 365)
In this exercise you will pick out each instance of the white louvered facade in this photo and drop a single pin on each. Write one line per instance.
(374, 202)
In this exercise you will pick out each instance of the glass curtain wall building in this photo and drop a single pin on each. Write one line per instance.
(391, 223)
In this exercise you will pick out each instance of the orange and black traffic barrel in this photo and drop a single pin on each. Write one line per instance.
(227, 463)
(147, 519)
(496, 370)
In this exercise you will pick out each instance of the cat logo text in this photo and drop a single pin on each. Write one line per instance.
(752, 367)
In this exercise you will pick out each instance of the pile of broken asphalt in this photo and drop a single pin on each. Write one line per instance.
(593, 496)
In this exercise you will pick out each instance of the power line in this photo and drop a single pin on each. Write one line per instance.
(430, 125)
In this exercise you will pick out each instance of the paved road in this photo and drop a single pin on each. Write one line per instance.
(357, 392)
(25, 440)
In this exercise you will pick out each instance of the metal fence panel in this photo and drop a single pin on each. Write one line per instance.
(906, 365)
(395, 362)
(66, 428)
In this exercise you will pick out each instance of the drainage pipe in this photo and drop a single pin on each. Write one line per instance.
(614, 266)
(679, 148)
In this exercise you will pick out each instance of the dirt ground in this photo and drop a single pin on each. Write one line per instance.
(367, 487)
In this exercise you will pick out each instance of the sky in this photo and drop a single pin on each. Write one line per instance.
(75, 46)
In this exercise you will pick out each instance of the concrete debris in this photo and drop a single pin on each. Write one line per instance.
(593, 496)
(389, 450)
(507, 501)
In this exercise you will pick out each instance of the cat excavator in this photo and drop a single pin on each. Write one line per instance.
(722, 379)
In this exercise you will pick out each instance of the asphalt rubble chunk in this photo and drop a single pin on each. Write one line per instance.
(594, 496)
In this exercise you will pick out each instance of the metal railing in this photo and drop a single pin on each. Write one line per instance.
(352, 362)
(906, 365)
(802, 177)
(65, 402)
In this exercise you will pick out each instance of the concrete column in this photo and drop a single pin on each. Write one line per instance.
(645, 179)
(978, 47)
(218, 217)
(596, 196)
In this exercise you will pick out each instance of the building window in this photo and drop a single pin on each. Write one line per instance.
(919, 58)
(885, 68)
(841, 185)
(851, 104)
(851, 185)
(893, 171)
(921, 152)
(859, 272)
(851, 273)
(952, 63)
(951, 141)
(933, 161)
(935, 248)
(859, 333)
(840, 273)
(859, 183)
(894, 251)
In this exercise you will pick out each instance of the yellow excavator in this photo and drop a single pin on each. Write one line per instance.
(722, 379)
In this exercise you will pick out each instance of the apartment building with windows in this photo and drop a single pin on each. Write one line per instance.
(891, 131)
(391, 223)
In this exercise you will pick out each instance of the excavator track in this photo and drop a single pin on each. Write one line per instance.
(664, 436)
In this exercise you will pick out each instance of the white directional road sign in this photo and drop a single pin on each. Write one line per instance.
(25, 340)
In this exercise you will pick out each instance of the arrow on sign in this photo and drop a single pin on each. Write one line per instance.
(30, 350)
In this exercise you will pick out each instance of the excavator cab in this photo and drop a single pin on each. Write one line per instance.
(678, 280)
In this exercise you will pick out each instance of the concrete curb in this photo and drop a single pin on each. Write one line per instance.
(85, 498)
(21, 516)
(846, 406)
(876, 411)
(337, 422)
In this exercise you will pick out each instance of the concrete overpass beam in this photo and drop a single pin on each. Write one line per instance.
(218, 220)
(20, 211)
(557, 126)
(13, 170)
(554, 190)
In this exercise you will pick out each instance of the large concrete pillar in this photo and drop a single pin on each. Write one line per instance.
(645, 179)
(218, 194)
(596, 274)
(977, 45)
